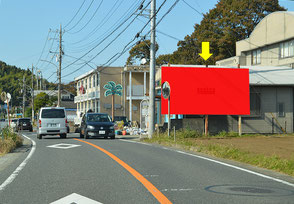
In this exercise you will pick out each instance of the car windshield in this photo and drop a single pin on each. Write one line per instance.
(24, 120)
(98, 118)
(53, 113)
(15, 120)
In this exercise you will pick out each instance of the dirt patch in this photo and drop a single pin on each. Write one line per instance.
(282, 146)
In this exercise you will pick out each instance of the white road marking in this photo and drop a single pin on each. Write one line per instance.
(20, 167)
(174, 189)
(151, 175)
(75, 198)
(222, 163)
(63, 146)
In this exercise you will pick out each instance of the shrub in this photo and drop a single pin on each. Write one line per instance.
(9, 140)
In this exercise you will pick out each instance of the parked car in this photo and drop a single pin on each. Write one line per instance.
(97, 124)
(24, 124)
(52, 121)
(122, 118)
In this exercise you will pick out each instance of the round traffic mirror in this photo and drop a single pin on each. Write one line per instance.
(165, 90)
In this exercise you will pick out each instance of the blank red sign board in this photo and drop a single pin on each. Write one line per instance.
(206, 91)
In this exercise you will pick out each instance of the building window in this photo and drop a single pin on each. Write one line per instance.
(97, 79)
(256, 56)
(255, 104)
(86, 84)
(287, 49)
(94, 80)
(281, 110)
(90, 82)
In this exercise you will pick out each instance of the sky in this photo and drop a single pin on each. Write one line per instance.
(94, 32)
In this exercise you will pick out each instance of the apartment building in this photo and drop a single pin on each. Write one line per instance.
(90, 92)
(271, 43)
(135, 82)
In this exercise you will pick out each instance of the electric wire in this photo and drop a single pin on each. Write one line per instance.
(111, 30)
(81, 17)
(43, 48)
(105, 39)
(89, 19)
(75, 14)
(126, 48)
(201, 14)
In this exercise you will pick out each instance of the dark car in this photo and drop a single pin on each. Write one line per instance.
(24, 124)
(121, 118)
(97, 124)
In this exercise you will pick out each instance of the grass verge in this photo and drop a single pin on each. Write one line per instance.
(190, 140)
(9, 140)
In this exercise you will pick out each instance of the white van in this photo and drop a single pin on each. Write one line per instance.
(52, 121)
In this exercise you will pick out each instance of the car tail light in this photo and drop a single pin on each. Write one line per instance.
(40, 122)
(66, 121)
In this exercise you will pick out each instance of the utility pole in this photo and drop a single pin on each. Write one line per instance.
(37, 77)
(59, 72)
(33, 94)
(152, 71)
(23, 96)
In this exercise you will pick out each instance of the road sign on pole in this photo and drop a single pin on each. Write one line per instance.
(165, 90)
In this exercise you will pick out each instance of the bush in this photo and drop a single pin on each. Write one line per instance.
(227, 134)
(9, 141)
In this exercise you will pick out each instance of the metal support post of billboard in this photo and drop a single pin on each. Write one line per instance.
(240, 125)
(239, 118)
(206, 125)
(168, 123)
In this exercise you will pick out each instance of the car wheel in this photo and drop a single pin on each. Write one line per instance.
(31, 129)
(112, 137)
(63, 136)
(86, 135)
(39, 136)
(81, 135)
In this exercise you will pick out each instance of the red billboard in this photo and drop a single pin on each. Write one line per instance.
(206, 91)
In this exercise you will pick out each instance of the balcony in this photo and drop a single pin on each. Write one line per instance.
(88, 96)
(137, 92)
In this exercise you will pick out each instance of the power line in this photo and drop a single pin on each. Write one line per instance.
(81, 17)
(193, 8)
(89, 19)
(168, 35)
(126, 47)
(75, 14)
(111, 30)
(43, 47)
(105, 39)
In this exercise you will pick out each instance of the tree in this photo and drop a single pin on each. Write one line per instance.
(112, 89)
(41, 100)
(222, 26)
(139, 51)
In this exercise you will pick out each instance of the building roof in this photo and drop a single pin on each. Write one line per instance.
(273, 28)
(269, 76)
(68, 104)
(93, 71)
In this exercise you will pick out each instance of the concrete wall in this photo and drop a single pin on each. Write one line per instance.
(111, 74)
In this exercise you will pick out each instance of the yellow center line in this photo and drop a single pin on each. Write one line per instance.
(148, 185)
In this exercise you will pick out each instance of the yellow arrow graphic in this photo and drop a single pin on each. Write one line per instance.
(205, 51)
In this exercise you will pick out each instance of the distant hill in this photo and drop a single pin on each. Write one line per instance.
(11, 78)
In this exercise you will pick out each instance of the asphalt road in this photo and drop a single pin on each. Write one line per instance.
(125, 171)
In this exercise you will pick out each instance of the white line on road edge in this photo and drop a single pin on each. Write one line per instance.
(20, 167)
(222, 163)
